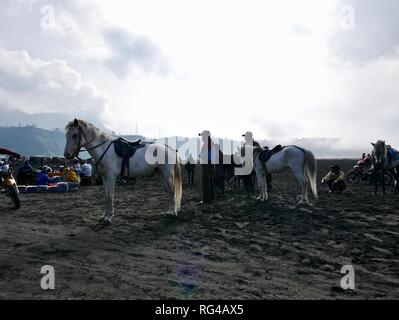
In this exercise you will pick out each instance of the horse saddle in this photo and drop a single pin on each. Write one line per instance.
(125, 150)
(267, 153)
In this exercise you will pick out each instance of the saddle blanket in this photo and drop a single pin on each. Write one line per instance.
(393, 154)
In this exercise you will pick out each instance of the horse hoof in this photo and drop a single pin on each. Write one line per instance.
(106, 222)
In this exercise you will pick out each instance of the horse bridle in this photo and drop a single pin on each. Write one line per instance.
(81, 148)
(81, 133)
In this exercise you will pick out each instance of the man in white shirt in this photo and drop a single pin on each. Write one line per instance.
(86, 174)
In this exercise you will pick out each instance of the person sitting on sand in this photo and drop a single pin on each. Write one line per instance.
(25, 173)
(43, 179)
(72, 178)
(335, 179)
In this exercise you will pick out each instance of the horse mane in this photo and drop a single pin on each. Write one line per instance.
(87, 127)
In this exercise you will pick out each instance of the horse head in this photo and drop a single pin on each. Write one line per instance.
(379, 152)
(75, 139)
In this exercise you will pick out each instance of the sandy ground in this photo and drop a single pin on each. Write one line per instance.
(236, 249)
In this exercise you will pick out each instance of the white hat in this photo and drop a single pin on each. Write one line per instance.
(248, 134)
(205, 133)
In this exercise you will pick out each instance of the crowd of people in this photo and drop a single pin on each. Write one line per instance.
(214, 168)
(213, 174)
(76, 174)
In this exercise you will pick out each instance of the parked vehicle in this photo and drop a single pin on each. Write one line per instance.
(359, 173)
(8, 184)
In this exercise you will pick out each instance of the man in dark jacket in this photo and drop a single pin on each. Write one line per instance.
(25, 174)
(207, 159)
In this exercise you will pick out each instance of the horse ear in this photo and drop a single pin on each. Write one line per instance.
(373, 144)
(76, 123)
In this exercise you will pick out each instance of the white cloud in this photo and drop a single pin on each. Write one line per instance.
(76, 31)
(36, 86)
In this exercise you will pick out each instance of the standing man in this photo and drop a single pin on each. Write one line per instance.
(249, 140)
(249, 179)
(207, 157)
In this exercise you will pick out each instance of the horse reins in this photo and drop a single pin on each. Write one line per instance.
(81, 149)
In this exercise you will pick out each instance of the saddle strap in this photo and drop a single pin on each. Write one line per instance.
(102, 156)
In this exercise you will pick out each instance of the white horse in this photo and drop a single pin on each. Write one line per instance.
(80, 133)
(301, 162)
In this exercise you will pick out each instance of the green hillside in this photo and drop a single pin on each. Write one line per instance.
(33, 141)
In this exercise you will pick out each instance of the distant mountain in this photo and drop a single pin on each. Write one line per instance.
(48, 121)
(32, 141)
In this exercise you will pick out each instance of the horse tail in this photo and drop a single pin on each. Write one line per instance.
(177, 184)
(310, 168)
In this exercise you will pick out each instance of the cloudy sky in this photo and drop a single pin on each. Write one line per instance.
(283, 69)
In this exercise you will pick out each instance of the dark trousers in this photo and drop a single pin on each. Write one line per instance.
(86, 181)
(219, 179)
(338, 186)
(249, 184)
(191, 174)
(207, 183)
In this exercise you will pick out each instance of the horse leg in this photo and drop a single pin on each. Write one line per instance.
(265, 195)
(167, 180)
(395, 175)
(383, 182)
(259, 177)
(305, 191)
(300, 177)
(109, 188)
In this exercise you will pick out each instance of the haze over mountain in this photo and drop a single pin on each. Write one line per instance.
(31, 141)
(48, 121)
